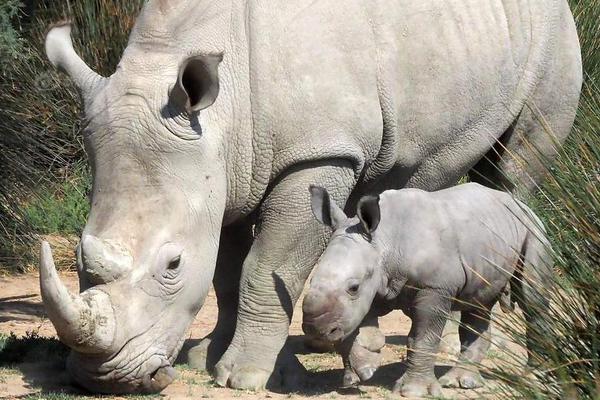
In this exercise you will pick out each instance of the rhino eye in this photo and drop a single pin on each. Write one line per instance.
(353, 289)
(174, 263)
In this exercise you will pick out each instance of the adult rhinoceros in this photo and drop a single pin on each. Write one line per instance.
(219, 116)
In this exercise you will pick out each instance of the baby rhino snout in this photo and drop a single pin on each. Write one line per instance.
(320, 316)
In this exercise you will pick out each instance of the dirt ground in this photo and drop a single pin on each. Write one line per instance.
(21, 311)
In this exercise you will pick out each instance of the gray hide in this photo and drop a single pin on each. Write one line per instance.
(427, 254)
(221, 113)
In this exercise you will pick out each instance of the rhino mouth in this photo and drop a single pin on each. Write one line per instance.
(127, 372)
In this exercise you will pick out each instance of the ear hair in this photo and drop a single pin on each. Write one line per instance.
(197, 84)
(325, 210)
(368, 213)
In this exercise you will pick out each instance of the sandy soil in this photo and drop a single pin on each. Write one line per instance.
(21, 311)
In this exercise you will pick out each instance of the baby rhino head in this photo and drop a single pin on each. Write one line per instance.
(348, 274)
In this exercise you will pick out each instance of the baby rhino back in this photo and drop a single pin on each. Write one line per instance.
(468, 239)
(492, 231)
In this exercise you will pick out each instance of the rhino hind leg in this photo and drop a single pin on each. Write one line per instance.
(518, 161)
(287, 245)
(475, 339)
(532, 293)
(234, 246)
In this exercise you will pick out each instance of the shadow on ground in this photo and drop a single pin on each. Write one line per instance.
(42, 364)
(19, 308)
(40, 360)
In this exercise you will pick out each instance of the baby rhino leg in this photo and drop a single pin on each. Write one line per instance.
(532, 295)
(474, 332)
(361, 352)
(428, 313)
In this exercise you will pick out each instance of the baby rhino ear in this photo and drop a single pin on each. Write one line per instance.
(368, 213)
(324, 208)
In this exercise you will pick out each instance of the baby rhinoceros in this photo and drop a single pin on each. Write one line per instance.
(429, 253)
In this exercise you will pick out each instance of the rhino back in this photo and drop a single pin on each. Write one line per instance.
(401, 83)
(468, 237)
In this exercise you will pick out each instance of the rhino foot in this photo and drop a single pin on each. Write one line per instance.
(463, 378)
(363, 355)
(351, 379)
(418, 386)
(364, 362)
(242, 373)
(207, 353)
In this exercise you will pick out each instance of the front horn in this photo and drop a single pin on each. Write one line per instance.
(60, 52)
(85, 322)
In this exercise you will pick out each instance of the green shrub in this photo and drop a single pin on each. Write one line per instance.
(40, 127)
(568, 347)
(569, 205)
(11, 42)
(62, 207)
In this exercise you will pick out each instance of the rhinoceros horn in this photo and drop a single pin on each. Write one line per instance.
(60, 52)
(83, 322)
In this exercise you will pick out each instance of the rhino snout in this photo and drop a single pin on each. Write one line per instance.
(321, 316)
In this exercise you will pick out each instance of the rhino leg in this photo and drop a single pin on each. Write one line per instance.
(287, 245)
(530, 286)
(234, 246)
(475, 339)
(450, 343)
(519, 160)
(361, 352)
(428, 313)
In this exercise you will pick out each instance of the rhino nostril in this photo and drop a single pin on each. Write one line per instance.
(309, 329)
(335, 334)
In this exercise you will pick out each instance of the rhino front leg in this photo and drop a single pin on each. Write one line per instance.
(475, 338)
(361, 352)
(428, 313)
(287, 245)
(234, 246)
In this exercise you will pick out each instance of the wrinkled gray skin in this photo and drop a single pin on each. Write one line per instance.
(221, 113)
(458, 249)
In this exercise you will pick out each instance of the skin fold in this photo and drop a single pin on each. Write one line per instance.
(220, 114)
(427, 254)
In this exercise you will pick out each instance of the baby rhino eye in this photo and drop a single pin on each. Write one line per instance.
(353, 288)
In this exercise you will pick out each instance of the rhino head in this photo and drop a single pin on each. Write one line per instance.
(154, 136)
(349, 273)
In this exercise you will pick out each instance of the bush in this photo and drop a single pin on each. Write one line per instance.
(40, 131)
(61, 207)
(569, 205)
(11, 42)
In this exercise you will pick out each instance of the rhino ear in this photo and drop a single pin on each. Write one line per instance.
(198, 82)
(324, 208)
(368, 213)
